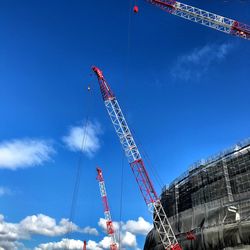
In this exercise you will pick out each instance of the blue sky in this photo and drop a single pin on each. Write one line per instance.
(184, 89)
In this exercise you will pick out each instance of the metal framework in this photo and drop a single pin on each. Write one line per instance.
(107, 214)
(161, 222)
(203, 17)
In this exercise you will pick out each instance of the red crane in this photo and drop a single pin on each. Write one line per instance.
(135, 160)
(107, 214)
(203, 17)
(85, 245)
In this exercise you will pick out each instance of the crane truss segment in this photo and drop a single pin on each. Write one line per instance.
(122, 130)
(203, 17)
(161, 222)
(241, 29)
(167, 5)
(105, 89)
(107, 214)
(214, 21)
(160, 219)
(144, 182)
(163, 228)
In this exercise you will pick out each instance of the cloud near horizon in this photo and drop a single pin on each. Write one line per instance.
(84, 138)
(193, 65)
(128, 231)
(12, 233)
(24, 153)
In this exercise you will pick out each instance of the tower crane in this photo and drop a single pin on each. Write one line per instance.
(137, 165)
(107, 214)
(203, 17)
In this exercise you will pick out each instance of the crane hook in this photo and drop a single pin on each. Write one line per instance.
(136, 9)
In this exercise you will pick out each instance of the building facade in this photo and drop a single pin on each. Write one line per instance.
(209, 205)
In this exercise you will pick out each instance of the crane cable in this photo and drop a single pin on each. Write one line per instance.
(79, 168)
(149, 162)
(126, 80)
(121, 204)
(134, 3)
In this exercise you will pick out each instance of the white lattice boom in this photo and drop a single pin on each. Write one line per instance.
(161, 222)
(203, 17)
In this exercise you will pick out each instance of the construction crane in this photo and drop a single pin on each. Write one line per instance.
(203, 17)
(107, 214)
(135, 160)
(85, 245)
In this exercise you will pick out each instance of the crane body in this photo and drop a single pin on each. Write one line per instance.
(107, 214)
(203, 17)
(85, 245)
(135, 160)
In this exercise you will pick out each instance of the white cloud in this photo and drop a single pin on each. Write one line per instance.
(84, 138)
(45, 225)
(24, 153)
(129, 240)
(193, 65)
(102, 224)
(89, 230)
(127, 230)
(105, 242)
(138, 227)
(12, 233)
(8, 245)
(128, 233)
(69, 244)
(92, 245)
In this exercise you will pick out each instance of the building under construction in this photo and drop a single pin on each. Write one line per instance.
(209, 205)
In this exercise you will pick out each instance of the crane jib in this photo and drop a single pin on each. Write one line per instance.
(107, 214)
(162, 225)
(211, 20)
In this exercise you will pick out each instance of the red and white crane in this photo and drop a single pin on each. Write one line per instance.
(203, 17)
(153, 202)
(84, 245)
(107, 214)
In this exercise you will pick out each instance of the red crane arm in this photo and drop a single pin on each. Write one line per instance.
(137, 165)
(214, 21)
(107, 214)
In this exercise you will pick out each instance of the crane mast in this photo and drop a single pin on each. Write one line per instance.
(84, 245)
(203, 17)
(135, 160)
(107, 214)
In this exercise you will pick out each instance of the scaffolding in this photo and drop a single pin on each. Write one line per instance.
(211, 201)
(225, 175)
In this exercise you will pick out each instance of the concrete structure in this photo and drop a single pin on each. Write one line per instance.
(209, 205)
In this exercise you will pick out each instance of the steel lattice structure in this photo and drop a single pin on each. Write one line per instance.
(203, 17)
(161, 222)
(107, 214)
